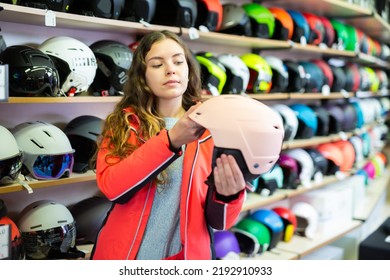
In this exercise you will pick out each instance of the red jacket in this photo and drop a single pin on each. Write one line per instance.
(129, 184)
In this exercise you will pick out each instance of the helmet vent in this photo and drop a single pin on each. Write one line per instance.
(36, 226)
(47, 133)
(37, 144)
(62, 222)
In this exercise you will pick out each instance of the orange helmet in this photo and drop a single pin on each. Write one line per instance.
(334, 155)
(284, 24)
(349, 155)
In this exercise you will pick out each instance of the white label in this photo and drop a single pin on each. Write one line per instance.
(193, 33)
(3, 82)
(5, 238)
(50, 18)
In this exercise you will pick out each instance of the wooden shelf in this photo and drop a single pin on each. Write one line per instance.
(58, 100)
(303, 246)
(274, 254)
(374, 191)
(332, 95)
(74, 178)
(255, 200)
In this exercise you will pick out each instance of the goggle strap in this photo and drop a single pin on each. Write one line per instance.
(22, 182)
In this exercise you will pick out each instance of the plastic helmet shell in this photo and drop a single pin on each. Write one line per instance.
(250, 127)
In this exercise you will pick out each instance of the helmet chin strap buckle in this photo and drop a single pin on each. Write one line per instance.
(72, 91)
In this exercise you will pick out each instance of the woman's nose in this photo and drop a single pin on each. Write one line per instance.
(170, 70)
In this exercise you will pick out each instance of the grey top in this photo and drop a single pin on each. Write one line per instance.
(162, 235)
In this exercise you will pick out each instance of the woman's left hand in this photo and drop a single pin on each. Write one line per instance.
(228, 178)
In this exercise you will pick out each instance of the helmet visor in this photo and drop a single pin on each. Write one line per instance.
(50, 243)
(37, 80)
(10, 169)
(52, 166)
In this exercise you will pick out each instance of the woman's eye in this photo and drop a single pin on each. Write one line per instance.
(156, 65)
(179, 62)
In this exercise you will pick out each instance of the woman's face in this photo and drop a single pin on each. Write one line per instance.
(166, 69)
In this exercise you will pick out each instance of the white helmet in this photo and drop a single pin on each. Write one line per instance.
(357, 143)
(307, 219)
(306, 163)
(245, 128)
(290, 120)
(279, 73)
(10, 157)
(75, 61)
(48, 229)
(47, 152)
(237, 73)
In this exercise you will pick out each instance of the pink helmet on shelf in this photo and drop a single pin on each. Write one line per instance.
(370, 169)
(246, 128)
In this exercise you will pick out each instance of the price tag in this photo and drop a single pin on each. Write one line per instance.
(5, 242)
(193, 33)
(303, 41)
(318, 177)
(50, 18)
(203, 28)
(3, 82)
(343, 135)
(325, 90)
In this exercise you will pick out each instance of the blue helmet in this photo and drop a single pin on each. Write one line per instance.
(272, 221)
(301, 26)
(307, 121)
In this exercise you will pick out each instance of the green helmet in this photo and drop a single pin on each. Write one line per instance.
(373, 79)
(253, 237)
(341, 32)
(213, 73)
(352, 43)
(262, 20)
(260, 80)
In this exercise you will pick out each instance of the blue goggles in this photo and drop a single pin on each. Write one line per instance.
(51, 166)
(10, 169)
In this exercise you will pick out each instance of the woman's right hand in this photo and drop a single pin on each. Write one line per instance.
(185, 130)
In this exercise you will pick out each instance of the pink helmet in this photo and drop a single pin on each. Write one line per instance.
(246, 128)
(370, 169)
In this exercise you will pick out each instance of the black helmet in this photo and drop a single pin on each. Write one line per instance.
(83, 132)
(58, 5)
(136, 10)
(89, 215)
(113, 60)
(296, 76)
(182, 13)
(99, 8)
(31, 72)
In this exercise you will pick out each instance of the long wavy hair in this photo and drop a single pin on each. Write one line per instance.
(140, 98)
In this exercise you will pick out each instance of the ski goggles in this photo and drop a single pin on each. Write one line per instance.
(36, 80)
(10, 169)
(45, 167)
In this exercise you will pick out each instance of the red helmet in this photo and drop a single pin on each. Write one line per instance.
(317, 29)
(330, 33)
(289, 220)
(209, 14)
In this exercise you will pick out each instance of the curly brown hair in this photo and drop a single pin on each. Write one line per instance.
(140, 98)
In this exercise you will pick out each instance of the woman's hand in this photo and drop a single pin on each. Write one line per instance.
(185, 130)
(228, 178)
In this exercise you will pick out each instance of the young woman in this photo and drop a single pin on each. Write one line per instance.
(153, 161)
